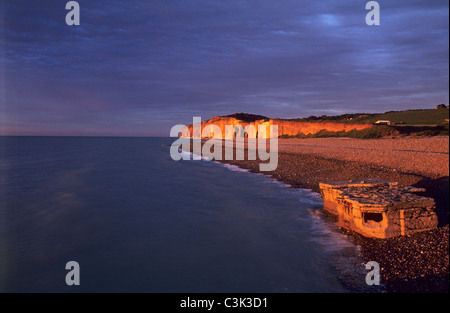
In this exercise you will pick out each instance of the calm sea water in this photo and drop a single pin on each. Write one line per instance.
(137, 221)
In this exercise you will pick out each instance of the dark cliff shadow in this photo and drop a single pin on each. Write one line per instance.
(439, 130)
(438, 189)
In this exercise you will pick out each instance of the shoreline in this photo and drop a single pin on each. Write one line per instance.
(414, 263)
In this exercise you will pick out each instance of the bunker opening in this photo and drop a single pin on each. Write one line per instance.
(370, 216)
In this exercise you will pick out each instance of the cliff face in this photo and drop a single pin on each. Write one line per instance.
(291, 128)
(285, 128)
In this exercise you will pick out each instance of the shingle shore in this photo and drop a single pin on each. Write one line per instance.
(415, 263)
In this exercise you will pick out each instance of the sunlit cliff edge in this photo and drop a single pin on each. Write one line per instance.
(285, 127)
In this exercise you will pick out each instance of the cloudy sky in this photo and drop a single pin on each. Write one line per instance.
(136, 68)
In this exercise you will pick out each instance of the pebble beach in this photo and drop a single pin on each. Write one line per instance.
(414, 263)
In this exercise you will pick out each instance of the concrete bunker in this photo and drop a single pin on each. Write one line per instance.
(379, 208)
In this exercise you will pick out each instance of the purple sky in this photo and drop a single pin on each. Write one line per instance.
(136, 68)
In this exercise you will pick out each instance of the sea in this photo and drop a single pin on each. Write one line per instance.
(134, 220)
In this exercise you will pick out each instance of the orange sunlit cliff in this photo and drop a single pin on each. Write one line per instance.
(285, 127)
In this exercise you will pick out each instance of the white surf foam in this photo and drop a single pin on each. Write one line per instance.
(191, 156)
(234, 168)
(327, 234)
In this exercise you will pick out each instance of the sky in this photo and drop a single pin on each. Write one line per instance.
(137, 68)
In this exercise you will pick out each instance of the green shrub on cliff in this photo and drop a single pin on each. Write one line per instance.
(248, 118)
(376, 131)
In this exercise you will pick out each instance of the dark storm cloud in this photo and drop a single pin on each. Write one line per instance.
(140, 67)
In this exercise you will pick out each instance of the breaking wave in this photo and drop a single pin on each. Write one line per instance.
(234, 168)
(327, 234)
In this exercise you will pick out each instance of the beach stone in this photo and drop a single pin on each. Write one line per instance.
(379, 208)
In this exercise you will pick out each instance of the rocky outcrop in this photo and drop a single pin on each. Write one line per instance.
(379, 208)
(285, 127)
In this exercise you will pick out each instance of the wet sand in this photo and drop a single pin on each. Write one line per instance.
(415, 263)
